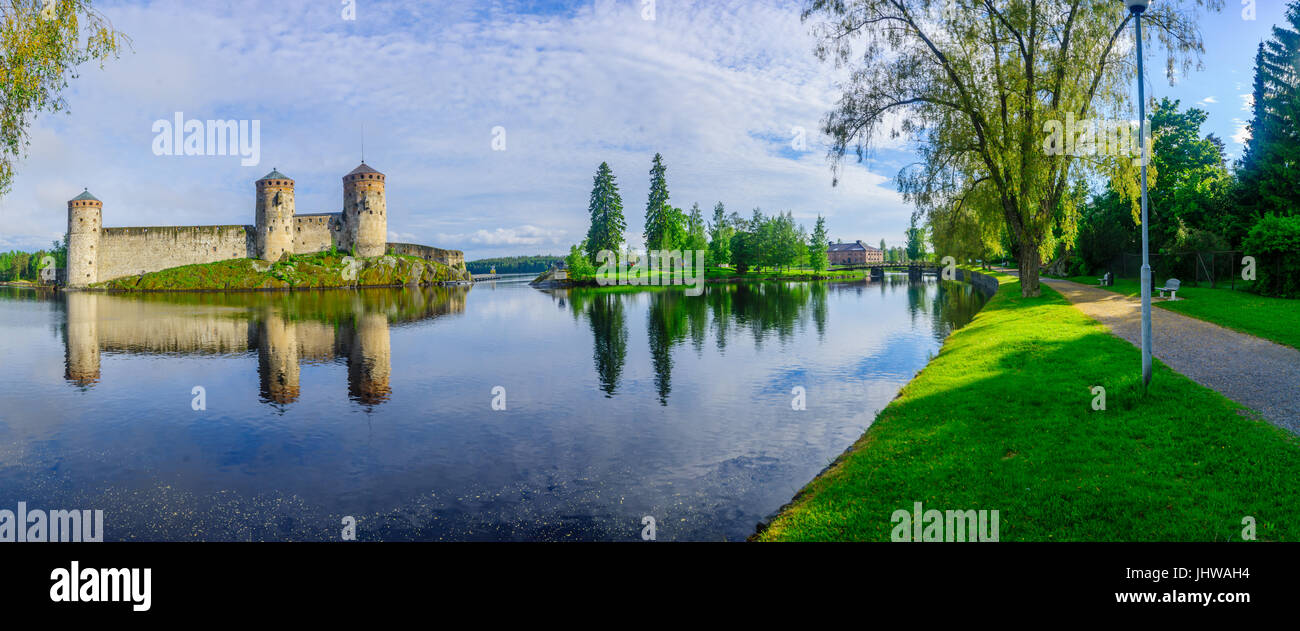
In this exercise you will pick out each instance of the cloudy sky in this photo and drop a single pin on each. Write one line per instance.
(719, 87)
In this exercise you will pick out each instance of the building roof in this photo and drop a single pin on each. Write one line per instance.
(275, 174)
(363, 168)
(849, 247)
(85, 196)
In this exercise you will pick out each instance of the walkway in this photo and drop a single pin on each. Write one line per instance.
(1254, 372)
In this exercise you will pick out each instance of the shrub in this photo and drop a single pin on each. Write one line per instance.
(1275, 243)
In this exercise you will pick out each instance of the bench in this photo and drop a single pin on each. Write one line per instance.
(1171, 286)
(1106, 280)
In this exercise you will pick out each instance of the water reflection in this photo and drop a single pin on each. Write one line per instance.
(760, 310)
(285, 330)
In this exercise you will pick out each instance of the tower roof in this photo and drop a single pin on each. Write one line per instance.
(85, 196)
(275, 174)
(363, 168)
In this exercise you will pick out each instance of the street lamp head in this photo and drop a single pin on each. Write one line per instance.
(1137, 6)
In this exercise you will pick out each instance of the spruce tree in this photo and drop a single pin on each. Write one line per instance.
(817, 246)
(606, 210)
(657, 210)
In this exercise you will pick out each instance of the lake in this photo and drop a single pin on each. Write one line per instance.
(497, 412)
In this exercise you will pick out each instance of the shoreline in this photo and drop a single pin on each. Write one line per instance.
(996, 422)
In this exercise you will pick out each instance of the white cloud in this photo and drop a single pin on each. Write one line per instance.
(708, 84)
(522, 235)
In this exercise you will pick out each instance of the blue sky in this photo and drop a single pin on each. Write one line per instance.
(717, 86)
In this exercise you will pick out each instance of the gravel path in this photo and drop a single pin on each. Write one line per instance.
(1254, 372)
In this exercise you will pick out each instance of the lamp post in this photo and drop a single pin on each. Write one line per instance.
(1137, 8)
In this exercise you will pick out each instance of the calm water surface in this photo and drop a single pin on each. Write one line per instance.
(378, 404)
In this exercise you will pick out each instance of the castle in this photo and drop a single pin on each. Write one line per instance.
(98, 254)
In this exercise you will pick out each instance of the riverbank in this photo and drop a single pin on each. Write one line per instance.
(1002, 419)
(324, 270)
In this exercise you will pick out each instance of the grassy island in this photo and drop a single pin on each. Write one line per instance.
(1003, 420)
(304, 271)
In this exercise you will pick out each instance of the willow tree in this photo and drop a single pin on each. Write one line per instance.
(977, 85)
(41, 44)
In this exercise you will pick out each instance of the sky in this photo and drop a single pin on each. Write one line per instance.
(489, 118)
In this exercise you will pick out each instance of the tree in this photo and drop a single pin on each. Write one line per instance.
(579, 267)
(697, 238)
(657, 210)
(43, 43)
(606, 210)
(720, 233)
(974, 86)
(915, 242)
(1270, 167)
(817, 246)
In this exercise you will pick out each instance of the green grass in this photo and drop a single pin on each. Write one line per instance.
(319, 270)
(1002, 420)
(1276, 319)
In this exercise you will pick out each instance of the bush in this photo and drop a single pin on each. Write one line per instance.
(1275, 243)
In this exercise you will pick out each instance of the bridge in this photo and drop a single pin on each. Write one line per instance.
(480, 277)
(917, 269)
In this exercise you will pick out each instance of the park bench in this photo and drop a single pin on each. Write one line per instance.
(1171, 286)
(1106, 280)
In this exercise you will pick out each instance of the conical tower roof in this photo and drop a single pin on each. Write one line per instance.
(85, 196)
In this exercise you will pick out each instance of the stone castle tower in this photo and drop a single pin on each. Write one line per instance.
(85, 219)
(275, 216)
(365, 213)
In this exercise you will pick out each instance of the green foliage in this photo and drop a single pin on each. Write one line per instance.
(720, 234)
(514, 264)
(1000, 420)
(301, 271)
(27, 266)
(658, 214)
(915, 242)
(1270, 168)
(974, 86)
(41, 52)
(697, 236)
(606, 211)
(817, 246)
(580, 268)
(1275, 244)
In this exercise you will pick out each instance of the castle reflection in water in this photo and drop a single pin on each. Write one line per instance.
(285, 329)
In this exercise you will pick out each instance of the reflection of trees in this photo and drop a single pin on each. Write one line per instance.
(667, 325)
(609, 332)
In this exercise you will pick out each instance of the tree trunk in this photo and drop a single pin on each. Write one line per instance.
(1029, 271)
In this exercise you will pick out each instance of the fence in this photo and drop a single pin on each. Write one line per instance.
(1216, 268)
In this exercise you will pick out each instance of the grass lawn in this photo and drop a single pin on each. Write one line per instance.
(1002, 420)
(318, 270)
(1276, 319)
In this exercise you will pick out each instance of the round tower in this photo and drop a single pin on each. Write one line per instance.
(85, 220)
(275, 216)
(365, 213)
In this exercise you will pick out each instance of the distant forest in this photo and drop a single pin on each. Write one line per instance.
(514, 264)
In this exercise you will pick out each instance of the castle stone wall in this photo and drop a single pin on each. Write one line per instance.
(450, 258)
(317, 233)
(131, 251)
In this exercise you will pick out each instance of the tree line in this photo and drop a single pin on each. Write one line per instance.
(16, 265)
(760, 241)
(534, 264)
